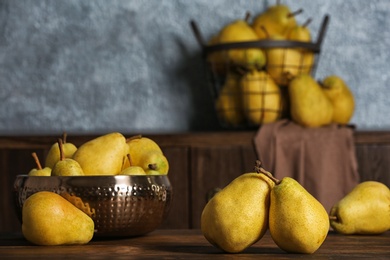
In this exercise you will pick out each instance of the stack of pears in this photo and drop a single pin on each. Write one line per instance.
(239, 215)
(109, 154)
(316, 104)
(251, 77)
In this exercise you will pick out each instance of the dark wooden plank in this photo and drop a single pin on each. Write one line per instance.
(374, 162)
(179, 215)
(191, 244)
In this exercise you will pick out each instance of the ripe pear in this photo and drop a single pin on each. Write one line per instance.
(66, 166)
(365, 210)
(139, 145)
(309, 106)
(283, 64)
(132, 169)
(49, 219)
(277, 19)
(217, 60)
(302, 33)
(39, 171)
(103, 155)
(228, 104)
(298, 222)
(53, 156)
(341, 98)
(237, 216)
(154, 161)
(261, 97)
(241, 31)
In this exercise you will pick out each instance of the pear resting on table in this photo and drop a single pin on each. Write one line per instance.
(109, 154)
(239, 215)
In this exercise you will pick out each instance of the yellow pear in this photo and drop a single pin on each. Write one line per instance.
(217, 60)
(341, 98)
(276, 19)
(39, 171)
(53, 156)
(237, 216)
(298, 222)
(364, 210)
(302, 33)
(309, 106)
(132, 169)
(228, 103)
(139, 145)
(261, 98)
(103, 155)
(241, 31)
(154, 161)
(49, 219)
(283, 64)
(66, 166)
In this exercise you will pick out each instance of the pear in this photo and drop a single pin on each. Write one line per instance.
(39, 171)
(66, 166)
(302, 33)
(309, 106)
(298, 222)
(341, 98)
(261, 98)
(103, 155)
(154, 161)
(228, 104)
(139, 145)
(364, 210)
(241, 31)
(237, 216)
(217, 60)
(53, 156)
(132, 169)
(277, 19)
(49, 219)
(283, 64)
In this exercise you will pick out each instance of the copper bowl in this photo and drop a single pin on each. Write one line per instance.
(119, 205)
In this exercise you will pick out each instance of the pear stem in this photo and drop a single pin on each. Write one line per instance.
(259, 169)
(265, 31)
(308, 21)
(129, 158)
(247, 16)
(295, 13)
(61, 146)
(64, 135)
(134, 137)
(333, 218)
(35, 156)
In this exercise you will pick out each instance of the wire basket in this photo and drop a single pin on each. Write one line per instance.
(247, 96)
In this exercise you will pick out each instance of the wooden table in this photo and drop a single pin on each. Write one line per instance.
(190, 244)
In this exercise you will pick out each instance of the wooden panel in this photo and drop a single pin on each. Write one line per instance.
(215, 168)
(374, 162)
(179, 216)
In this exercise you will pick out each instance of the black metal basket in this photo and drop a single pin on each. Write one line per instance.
(238, 109)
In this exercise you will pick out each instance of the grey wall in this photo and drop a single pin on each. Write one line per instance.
(134, 66)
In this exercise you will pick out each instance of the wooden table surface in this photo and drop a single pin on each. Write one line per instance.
(190, 244)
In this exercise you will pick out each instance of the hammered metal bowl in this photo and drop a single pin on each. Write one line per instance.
(119, 205)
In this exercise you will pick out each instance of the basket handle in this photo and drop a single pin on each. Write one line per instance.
(323, 29)
(198, 35)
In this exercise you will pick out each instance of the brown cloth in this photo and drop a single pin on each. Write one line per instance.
(322, 160)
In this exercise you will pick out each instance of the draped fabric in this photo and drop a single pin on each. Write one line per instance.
(322, 160)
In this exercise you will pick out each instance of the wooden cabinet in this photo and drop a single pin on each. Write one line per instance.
(199, 163)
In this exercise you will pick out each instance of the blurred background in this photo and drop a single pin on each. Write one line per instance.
(135, 66)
